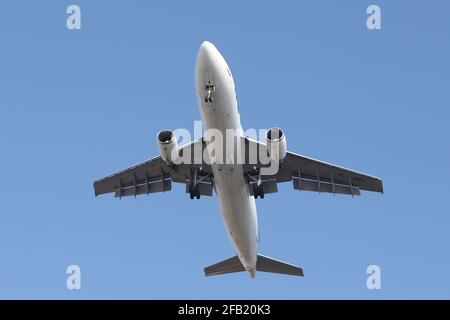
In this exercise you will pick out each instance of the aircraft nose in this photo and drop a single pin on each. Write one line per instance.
(206, 55)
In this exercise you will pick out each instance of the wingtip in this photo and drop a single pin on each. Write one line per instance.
(95, 190)
(381, 186)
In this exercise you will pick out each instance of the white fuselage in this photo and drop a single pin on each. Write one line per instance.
(237, 205)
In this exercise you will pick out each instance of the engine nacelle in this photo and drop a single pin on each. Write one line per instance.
(168, 146)
(276, 144)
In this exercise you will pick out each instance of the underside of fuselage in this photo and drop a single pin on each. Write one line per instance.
(218, 108)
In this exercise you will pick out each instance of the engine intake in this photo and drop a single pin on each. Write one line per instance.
(276, 144)
(168, 146)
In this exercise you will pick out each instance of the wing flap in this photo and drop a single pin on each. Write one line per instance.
(323, 186)
(151, 187)
(149, 171)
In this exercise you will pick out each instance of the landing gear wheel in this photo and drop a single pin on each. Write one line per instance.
(191, 192)
(194, 192)
(197, 192)
(258, 191)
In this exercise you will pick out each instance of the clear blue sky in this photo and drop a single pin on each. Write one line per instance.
(77, 105)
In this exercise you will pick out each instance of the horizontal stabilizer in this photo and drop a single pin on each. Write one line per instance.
(267, 264)
(264, 264)
(229, 265)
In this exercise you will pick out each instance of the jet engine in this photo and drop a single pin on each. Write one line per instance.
(168, 145)
(276, 144)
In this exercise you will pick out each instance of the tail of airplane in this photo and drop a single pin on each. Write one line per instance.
(263, 263)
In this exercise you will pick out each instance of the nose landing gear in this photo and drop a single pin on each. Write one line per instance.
(209, 92)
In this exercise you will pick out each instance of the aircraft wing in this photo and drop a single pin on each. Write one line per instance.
(314, 175)
(155, 175)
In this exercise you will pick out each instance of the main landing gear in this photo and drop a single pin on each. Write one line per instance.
(194, 191)
(258, 191)
(195, 182)
(257, 185)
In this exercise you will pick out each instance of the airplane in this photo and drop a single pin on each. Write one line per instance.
(236, 185)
